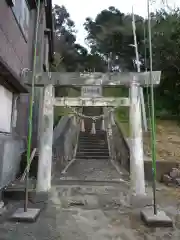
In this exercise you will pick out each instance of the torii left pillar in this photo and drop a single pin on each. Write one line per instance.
(46, 141)
(138, 193)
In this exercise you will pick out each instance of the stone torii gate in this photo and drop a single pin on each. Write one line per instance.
(133, 80)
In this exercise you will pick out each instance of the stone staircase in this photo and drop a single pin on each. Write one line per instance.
(92, 146)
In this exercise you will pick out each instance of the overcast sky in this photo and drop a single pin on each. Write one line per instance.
(80, 9)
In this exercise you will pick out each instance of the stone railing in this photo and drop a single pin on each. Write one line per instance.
(64, 141)
(118, 146)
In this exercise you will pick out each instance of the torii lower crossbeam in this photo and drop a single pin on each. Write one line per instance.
(97, 101)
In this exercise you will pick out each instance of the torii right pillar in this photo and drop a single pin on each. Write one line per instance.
(138, 193)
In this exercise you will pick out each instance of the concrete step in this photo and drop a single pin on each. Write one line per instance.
(100, 142)
(93, 138)
(97, 150)
(79, 156)
(88, 132)
(95, 144)
(93, 153)
(90, 183)
(93, 158)
(91, 145)
(98, 128)
(86, 150)
(98, 132)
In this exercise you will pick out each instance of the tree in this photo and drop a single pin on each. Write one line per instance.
(111, 33)
(73, 56)
(65, 37)
(166, 57)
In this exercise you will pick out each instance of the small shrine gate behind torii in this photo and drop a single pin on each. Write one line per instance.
(132, 80)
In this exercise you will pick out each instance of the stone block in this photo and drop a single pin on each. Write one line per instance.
(167, 179)
(175, 173)
(30, 216)
(2, 208)
(177, 181)
(158, 220)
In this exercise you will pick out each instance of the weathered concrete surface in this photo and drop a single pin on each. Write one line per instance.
(92, 169)
(11, 149)
(64, 142)
(121, 148)
(46, 141)
(93, 211)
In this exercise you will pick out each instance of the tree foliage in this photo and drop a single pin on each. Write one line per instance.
(166, 57)
(74, 56)
(111, 32)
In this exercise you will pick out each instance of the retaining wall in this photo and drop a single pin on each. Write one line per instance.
(64, 142)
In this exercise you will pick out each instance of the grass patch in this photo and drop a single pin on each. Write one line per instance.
(122, 113)
(115, 92)
(124, 126)
(122, 118)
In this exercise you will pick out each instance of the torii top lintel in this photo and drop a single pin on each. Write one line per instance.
(95, 78)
